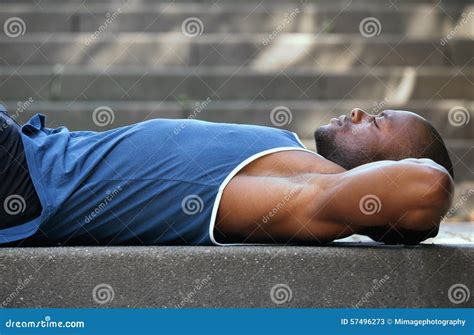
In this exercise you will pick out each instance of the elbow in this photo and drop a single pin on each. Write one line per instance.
(440, 189)
(436, 190)
(438, 196)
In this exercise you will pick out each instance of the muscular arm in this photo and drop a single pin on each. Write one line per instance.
(399, 202)
(410, 195)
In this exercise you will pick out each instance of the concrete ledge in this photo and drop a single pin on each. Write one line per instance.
(342, 275)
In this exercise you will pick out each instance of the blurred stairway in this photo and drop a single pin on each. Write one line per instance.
(236, 61)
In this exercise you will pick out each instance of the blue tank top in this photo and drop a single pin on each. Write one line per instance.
(156, 182)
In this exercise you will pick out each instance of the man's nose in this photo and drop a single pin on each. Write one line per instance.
(357, 115)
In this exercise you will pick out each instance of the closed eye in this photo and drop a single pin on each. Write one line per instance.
(380, 115)
(375, 121)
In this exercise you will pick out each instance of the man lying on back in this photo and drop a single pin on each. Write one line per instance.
(190, 182)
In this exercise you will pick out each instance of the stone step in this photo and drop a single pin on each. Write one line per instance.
(344, 275)
(421, 20)
(230, 83)
(324, 51)
(258, 3)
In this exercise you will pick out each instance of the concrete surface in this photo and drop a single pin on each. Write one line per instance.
(346, 274)
(324, 51)
(231, 83)
(227, 17)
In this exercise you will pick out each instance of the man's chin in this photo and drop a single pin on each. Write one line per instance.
(323, 140)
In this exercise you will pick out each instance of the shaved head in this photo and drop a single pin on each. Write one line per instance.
(390, 135)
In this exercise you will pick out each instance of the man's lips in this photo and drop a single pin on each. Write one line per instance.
(339, 121)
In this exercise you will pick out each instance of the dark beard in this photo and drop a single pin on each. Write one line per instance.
(327, 147)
